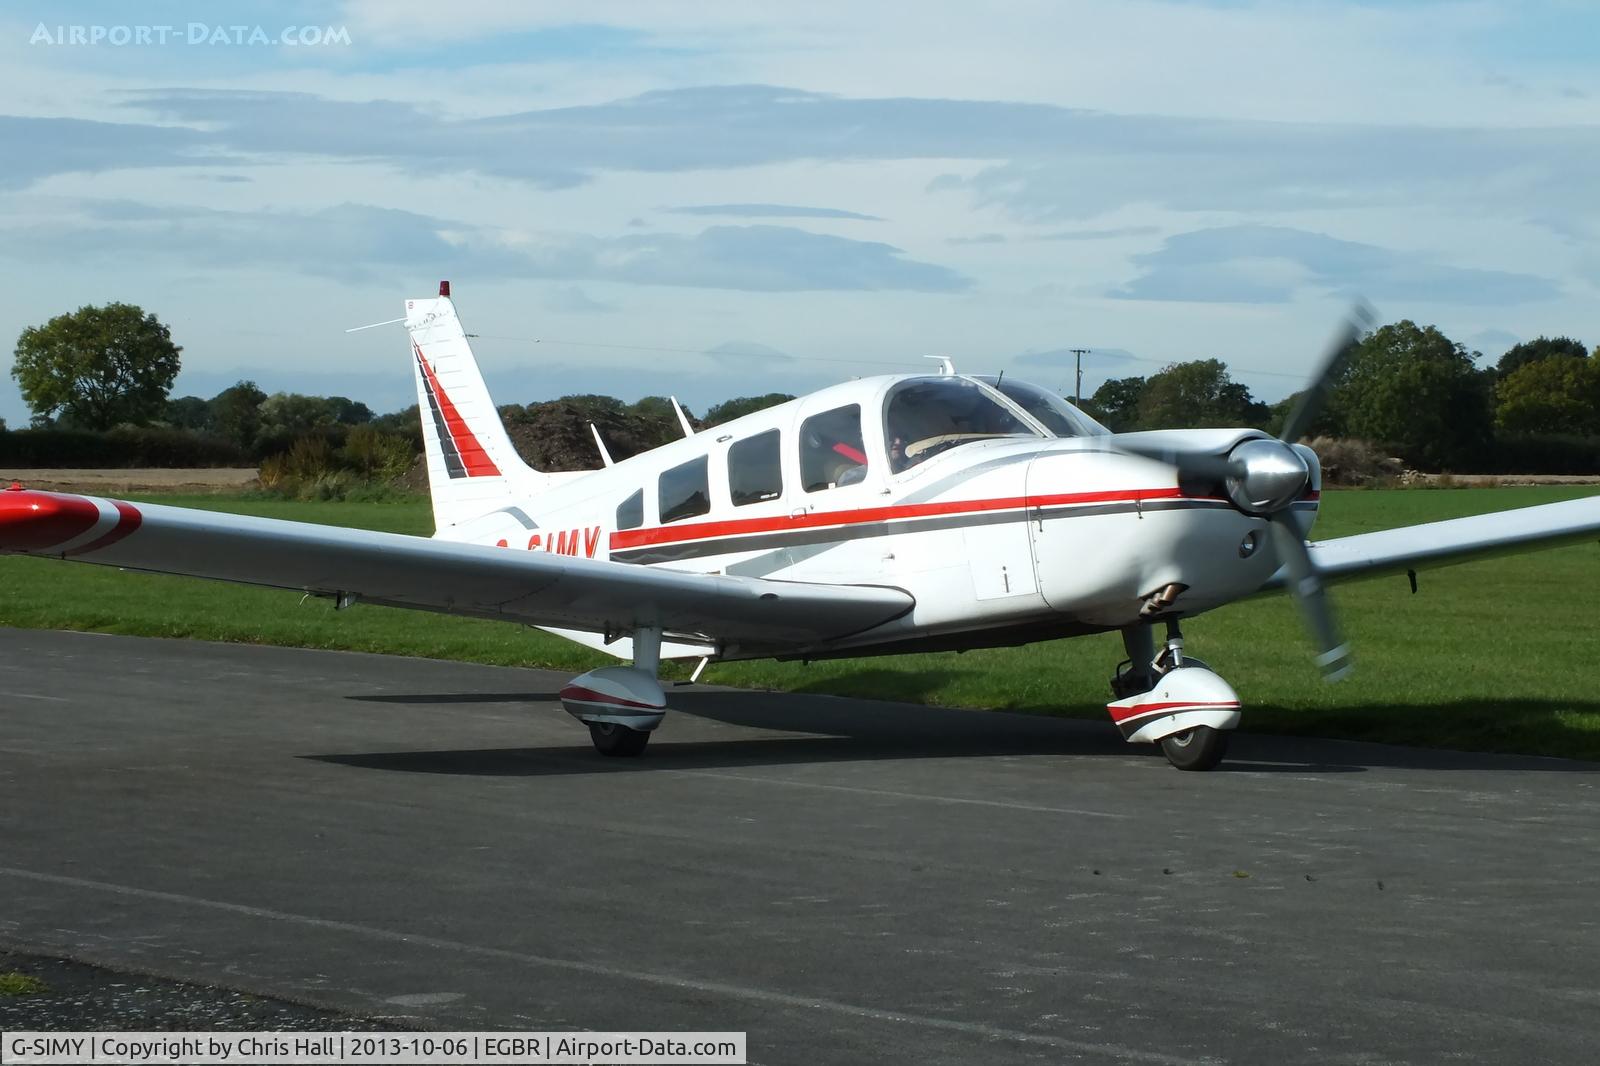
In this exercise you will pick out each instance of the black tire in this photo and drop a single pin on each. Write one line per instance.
(1200, 748)
(617, 741)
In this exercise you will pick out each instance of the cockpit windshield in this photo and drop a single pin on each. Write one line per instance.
(926, 416)
(1051, 411)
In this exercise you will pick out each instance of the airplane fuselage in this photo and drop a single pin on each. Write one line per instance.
(1000, 540)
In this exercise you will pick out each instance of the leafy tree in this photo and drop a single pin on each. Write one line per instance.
(728, 410)
(188, 412)
(236, 413)
(1415, 389)
(1197, 393)
(656, 422)
(1539, 348)
(1116, 403)
(348, 412)
(97, 367)
(293, 413)
(1551, 395)
(408, 422)
(375, 454)
(1328, 423)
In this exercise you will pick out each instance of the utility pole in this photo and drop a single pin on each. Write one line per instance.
(1077, 392)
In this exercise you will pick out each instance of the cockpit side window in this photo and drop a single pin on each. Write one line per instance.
(1048, 409)
(832, 452)
(685, 491)
(630, 512)
(755, 469)
(926, 416)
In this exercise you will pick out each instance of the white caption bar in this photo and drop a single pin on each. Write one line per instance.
(569, 1048)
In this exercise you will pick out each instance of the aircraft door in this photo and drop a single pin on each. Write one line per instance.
(1053, 556)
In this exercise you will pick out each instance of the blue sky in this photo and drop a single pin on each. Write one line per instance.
(724, 199)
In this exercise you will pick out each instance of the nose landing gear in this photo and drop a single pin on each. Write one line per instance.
(1173, 700)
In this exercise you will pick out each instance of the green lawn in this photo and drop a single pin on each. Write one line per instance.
(1488, 656)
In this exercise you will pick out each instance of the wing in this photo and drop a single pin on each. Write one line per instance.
(532, 587)
(1453, 541)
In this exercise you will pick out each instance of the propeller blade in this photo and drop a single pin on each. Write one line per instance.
(1336, 355)
(1305, 584)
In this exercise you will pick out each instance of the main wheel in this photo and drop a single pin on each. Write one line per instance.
(1200, 748)
(617, 740)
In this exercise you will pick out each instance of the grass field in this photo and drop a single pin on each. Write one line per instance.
(1489, 656)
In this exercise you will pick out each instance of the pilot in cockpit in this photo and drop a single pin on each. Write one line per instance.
(897, 455)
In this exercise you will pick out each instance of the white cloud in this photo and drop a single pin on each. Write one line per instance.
(372, 243)
(1432, 133)
(1269, 264)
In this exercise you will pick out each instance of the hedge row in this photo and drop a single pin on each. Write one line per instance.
(116, 449)
(1542, 454)
(151, 447)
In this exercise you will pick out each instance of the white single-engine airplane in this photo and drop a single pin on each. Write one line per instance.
(887, 514)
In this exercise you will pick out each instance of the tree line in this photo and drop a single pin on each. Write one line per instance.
(98, 381)
(1409, 389)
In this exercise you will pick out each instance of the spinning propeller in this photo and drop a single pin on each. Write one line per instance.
(1264, 477)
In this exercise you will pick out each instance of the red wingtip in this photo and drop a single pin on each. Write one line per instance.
(31, 521)
(444, 288)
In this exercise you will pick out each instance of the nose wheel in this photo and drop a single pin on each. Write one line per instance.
(1172, 700)
(1199, 748)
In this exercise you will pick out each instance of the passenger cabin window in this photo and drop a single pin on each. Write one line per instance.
(926, 416)
(1050, 410)
(832, 452)
(630, 512)
(685, 491)
(755, 469)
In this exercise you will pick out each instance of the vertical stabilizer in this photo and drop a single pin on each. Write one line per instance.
(472, 467)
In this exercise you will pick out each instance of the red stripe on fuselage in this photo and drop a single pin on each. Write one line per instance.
(473, 457)
(677, 533)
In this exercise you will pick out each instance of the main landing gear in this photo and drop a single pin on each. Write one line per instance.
(621, 705)
(1172, 700)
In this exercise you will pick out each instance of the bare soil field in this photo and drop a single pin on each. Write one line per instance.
(192, 480)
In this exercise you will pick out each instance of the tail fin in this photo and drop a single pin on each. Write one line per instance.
(472, 467)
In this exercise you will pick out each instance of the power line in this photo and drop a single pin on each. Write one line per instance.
(851, 362)
(685, 351)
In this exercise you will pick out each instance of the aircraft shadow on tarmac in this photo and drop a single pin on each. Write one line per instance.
(818, 729)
